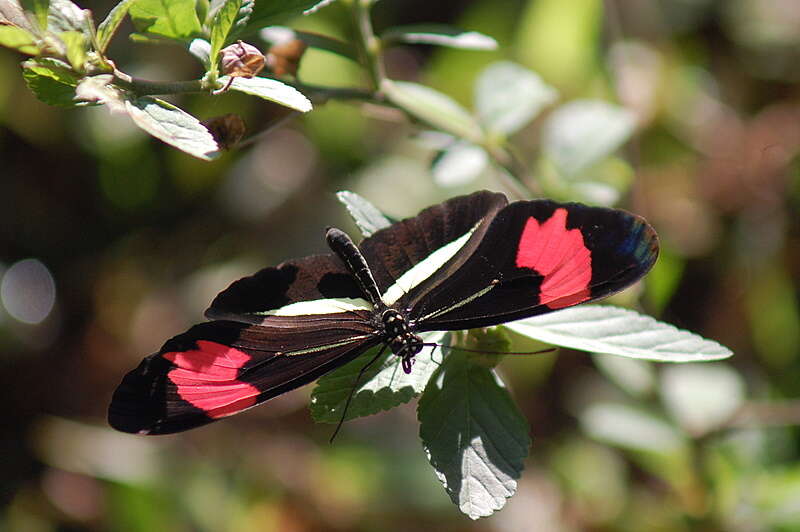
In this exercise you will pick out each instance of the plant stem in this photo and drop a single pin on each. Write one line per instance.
(369, 46)
(143, 87)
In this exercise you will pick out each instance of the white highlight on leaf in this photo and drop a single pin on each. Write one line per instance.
(425, 268)
(201, 49)
(270, 89)
(320, 306)
(619, 331)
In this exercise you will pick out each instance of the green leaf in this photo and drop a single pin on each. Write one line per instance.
(107, 28)
(619, 331)
(459, 164)
(582, 132)
(474, 435)
(220, 28)
(434, 108)
(383, 386)
(279, 34)
(67, 16)
(40, 8)
(508, 96)
(439, 34)
(272, 90)
(271, 12)
(366, 215)
(18, 39)
(77, 45)
(100, 89)
(702, 398)
(52, 81)
(173, 126)
(173, 19)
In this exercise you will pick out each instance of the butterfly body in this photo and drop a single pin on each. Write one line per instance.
(473, 261)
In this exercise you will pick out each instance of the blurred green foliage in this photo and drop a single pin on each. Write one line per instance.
(139, 237)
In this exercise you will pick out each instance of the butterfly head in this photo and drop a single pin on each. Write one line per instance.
(401, 340)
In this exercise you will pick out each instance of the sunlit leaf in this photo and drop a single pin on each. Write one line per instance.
(52, 81)
(439, 34)
(18, 39)
(582, 132)
(631, 428)
(11, 13)
(475, 437)
(272, 90)
(201, 49)
(433, 108)
(384, 384)
(173, 126)
(221, 26)
(637, 377)
(67, 16)
(107, 28)
(175, 19)
(619, 331)
(508, 96)
(367, 216)
(459, 164)
(40, 9)
(76, 44)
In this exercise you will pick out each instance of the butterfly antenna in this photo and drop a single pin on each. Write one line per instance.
(353, 391)
(483, 351)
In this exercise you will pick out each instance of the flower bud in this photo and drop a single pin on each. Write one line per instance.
(241, 60)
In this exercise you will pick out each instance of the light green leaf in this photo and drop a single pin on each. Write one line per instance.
(474, 435)
(366, 215)
(434, 108)
(52, 81)
(40, 8)
(272, 90)
(702, 398)
(508, 96)
(582, 132)
(107, 28)
(619, 331)
(67, 16)
(383, 386)
(439, 34)
(173, 126)
(631, 428)
(220, 28)
(76, 44)
(279, 34)
(459, 164)
(173, 19)
(18, 39)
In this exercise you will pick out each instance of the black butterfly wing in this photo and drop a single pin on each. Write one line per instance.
(535, 257)
(219, 368)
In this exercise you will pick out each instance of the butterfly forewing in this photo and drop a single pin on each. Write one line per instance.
(536, 257)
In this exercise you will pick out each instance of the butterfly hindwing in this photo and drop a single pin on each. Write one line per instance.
(219, 368)
(535, 257)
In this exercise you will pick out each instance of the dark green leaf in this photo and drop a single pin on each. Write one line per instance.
(52, 81)
(173, 126)
(475, 437)
(220, 28)
(367, 216)
(270, 12)
(439, 34)
(107, 28)
(40, 8)
(173, 19)
(383, 386)
(18, 39)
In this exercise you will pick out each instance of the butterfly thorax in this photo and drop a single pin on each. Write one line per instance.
(399, 337)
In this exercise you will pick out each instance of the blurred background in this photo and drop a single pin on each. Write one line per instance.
(111, 242)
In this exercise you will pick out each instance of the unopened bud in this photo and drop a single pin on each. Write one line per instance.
(241, 60)
(284, 58)
(227, 129)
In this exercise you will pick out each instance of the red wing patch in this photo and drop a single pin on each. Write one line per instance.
(207, 378)
(560, 256)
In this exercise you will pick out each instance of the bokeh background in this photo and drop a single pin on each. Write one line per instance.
(111, 242)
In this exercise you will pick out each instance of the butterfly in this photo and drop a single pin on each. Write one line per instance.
(472, 261)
